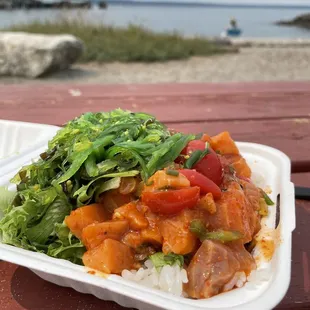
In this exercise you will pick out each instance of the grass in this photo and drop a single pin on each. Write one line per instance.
(131, 44)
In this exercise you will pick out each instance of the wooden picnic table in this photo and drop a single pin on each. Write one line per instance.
(275, 114)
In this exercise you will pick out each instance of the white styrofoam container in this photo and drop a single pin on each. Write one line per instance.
(270, 167)
(18, 139)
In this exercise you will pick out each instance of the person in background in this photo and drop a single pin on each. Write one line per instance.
(233, 30)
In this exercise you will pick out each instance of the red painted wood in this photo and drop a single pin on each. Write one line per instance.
(276, 114)
(38, 106)
(278, 118)
(25, 290)
(93, 90)
(7, 301)
(298, 296)
(301, 179)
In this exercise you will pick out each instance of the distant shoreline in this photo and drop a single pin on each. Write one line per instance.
(210, 4)
(205, 21)
(302, 21)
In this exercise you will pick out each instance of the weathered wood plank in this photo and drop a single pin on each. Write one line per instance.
(169, 89)
(276, 114)
(301, 179)
(298, 295)
(21, 289)
(186, 108)
(279, 118)
(38, 105)
(7, 301)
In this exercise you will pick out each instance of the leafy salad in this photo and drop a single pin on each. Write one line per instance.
(87, 157)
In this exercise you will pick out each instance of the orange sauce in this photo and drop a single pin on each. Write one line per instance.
(267, 247)
(97, 273)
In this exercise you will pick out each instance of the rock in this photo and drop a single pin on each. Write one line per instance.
(300, 21)
(34, 55)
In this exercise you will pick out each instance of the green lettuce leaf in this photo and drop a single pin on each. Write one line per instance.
(38, 211)
(14, 224)
(85, 192)
(6, 199)
(66, 246)
(159, 259)
(55, 214)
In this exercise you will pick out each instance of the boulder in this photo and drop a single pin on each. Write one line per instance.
(34, 55)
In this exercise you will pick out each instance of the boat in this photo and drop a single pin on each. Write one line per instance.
(233, 30)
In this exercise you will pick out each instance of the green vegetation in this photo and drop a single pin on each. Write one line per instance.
(107, 44)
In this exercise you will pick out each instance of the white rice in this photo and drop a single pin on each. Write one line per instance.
(171, 278)
(168, 278)
(238, 280)
(259, 275)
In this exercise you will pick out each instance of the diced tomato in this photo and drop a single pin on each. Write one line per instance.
(210, 165)
(206, 185)
(171, 201)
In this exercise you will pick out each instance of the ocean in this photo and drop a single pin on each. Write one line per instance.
(185, 19)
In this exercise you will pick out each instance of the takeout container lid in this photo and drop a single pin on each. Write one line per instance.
(20, 139)
(270, 167)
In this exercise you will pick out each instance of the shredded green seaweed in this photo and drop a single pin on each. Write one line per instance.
(87, 157)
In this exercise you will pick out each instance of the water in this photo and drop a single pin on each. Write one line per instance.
(206, 21)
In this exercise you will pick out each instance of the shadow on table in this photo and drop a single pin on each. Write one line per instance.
(34, 293)
(71, 74)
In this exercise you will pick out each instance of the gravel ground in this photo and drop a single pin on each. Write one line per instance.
(251, 64)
